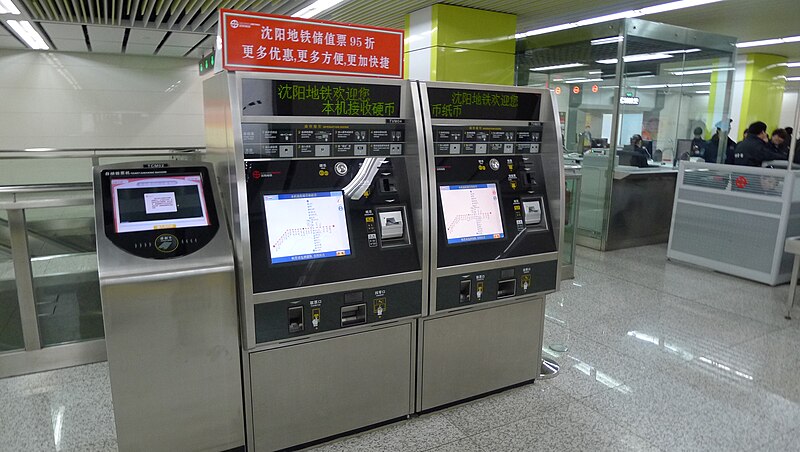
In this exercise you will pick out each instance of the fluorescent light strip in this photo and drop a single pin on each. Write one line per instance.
(27, 33)
(673, 85)
(671, 6)
(595, 72)
(702, 92)
(768, 42)
(793, 79)
(672, 52)
(583, 80)
(316, 8)
(635, 58)
(702, 71)
(610, 40)
(8, 7)
(558, 66)
(795, 64)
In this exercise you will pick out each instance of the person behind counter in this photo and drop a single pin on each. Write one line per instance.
(638, 146)
(712, 147)
(780, 142)
(698, 143)
(754, 149)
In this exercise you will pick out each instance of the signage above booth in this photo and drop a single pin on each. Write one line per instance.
(265, 42)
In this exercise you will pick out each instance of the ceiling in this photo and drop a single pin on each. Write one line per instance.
(185, 27)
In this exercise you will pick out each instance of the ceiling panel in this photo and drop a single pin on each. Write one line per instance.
(70, 45)
(67, 31)
(140, 49)
(106, 46)
(10, 42)
(184, 39)
(144, 36)
(189, 21)
(114, 34)
(173, 51)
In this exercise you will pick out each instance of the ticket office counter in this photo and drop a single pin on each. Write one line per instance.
(639, 209)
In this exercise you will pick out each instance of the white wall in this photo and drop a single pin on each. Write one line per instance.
(788, 109)
(81, 100)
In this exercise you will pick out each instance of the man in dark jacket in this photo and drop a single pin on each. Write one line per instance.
(712, 147)
(754, 150)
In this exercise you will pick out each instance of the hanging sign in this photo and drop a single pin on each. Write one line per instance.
(266, 42)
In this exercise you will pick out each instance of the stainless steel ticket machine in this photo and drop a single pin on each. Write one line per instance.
(322, 179)
(496, 185)
(169, 307)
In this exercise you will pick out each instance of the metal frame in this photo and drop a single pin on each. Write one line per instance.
(568, 269)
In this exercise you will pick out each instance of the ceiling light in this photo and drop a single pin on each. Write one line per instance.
(673, 85)
(795, 64)
(768, 42)
(671, 6)
(702, 71)
(316, 8)
(595, 72)
(610, 40)
(793, 79)
(27, 33)
(8, 7)
(558, 66)
(702, 92)
(635, 58)
(583, 80)
(682, 51)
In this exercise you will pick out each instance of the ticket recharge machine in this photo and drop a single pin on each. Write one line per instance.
(325, 191)
(169, 307)
(494, 162)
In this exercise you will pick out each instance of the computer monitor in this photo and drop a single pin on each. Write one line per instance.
(629, 157)
(599, 142)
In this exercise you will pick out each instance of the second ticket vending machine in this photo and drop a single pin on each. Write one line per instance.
(496, 181)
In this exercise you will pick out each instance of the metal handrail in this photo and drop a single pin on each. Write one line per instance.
(37, 153)
(43, 188)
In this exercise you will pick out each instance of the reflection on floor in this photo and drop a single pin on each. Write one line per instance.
(660, 356)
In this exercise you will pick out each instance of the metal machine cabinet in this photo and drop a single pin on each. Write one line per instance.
(169, 307)
(496, 198)
(323, 183)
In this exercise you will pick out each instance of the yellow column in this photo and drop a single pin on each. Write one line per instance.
(762, 91)
(452, 43)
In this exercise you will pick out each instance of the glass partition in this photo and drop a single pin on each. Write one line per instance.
(64, 264)
(630, 93)
(10, 323)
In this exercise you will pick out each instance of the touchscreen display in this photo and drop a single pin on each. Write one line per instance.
(304, 226)
(164, 202)
(471, 212)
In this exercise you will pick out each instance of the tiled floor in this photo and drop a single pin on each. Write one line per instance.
(661, 356)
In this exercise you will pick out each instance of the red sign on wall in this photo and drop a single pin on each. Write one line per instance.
(266, 42)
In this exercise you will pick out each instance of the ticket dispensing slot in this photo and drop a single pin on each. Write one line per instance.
(465, 291)
(533, 212)
(296, 319)
(393, 226)
(354, 315)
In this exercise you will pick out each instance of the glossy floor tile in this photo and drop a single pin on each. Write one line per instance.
(660, 356)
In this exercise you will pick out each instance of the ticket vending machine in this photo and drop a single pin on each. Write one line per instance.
(167, 285)
(325, 193)
(496, 185)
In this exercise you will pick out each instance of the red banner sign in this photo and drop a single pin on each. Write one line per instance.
(265, 42)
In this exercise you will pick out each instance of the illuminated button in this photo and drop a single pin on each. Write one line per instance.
(166, 243)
